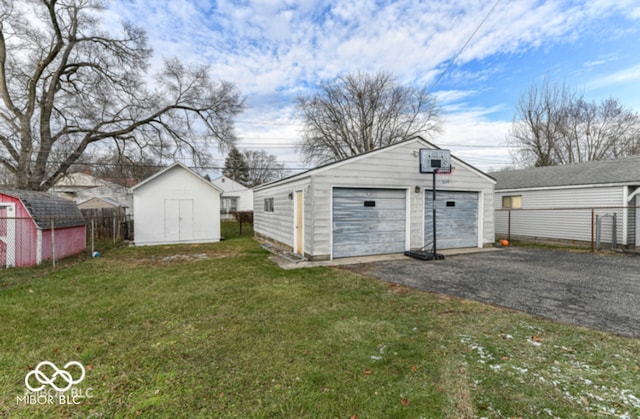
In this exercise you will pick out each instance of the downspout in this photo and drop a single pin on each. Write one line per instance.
(636, 212)
(625, 215)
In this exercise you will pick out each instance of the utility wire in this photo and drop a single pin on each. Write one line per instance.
(464, 46)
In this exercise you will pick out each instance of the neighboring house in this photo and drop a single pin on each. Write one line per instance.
(36, 226)
(235, 197)
(176, 205)
(560, 203)
(375, 203)
(83, 187)
(99, 203)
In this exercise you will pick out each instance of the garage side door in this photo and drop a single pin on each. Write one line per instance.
(456, 219)
(368, 221)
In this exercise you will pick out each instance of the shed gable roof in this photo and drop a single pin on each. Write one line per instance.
(619, 171)
(45, 207)
(176, 165)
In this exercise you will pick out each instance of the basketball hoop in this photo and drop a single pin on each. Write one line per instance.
(435, 161)
(445, 171)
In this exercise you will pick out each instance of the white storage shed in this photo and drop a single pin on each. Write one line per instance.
(176, 205)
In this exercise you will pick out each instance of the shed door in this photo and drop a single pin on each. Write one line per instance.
(456, 219)
(7, 235)
(178, 219)
(368, 221)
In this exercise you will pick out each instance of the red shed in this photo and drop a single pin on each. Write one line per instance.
(36, 226)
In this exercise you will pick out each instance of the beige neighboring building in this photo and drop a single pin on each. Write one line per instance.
(89, 191)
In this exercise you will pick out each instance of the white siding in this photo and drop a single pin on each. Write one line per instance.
(278, 225)
(155, 204)
(231, 188)
(542, 216)
(395, 167)
(398, 168)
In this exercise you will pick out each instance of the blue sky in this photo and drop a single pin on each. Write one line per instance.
(276, 50)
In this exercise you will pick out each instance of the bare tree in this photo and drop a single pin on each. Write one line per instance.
(357, 113)
(66, 86)
(263, 167)
(556, 125)
(125, 170)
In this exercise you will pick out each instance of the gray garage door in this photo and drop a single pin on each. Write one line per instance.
(456, 219)
(368, 221)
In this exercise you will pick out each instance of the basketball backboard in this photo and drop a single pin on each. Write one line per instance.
(435, 161)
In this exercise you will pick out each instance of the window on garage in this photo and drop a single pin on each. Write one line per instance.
(512, 201)
(268, 205)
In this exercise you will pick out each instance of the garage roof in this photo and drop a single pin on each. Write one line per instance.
(326, 166)
(619, 171)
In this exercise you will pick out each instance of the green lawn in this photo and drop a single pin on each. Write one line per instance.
(218, 330)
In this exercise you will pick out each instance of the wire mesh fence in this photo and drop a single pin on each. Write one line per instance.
(25, 242)
(595, 227)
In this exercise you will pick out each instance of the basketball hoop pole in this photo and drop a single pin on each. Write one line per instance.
(433, 205)
(435, 255)
(434, 162)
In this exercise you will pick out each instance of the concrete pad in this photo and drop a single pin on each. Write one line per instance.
(288, 264)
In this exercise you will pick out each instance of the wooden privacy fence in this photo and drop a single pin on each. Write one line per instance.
(108, 224)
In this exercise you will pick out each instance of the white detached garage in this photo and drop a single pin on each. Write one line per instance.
(376, 203)
(176, 205)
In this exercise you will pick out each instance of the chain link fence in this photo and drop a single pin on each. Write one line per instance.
(23, 242)
(597, 228)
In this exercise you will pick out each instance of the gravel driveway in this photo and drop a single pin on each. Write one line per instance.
(597, 291)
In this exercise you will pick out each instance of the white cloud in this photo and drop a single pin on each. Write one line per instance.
(477, 140)
(625, 76)
(276, 50)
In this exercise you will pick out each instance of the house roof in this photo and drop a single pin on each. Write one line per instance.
(363, 155)
(173, 166)
(77, 181)
(619, 171)
(111, 202)
(229, 185)
(44, 207)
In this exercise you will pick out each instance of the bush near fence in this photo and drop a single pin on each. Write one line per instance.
(570, 226)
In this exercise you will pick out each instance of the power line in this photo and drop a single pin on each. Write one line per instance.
(464, 46)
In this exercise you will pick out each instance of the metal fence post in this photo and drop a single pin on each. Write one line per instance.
(53, 243)
(593, 243)
(614, 232)
(93, 224)
(598, 228)
(509, 227)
